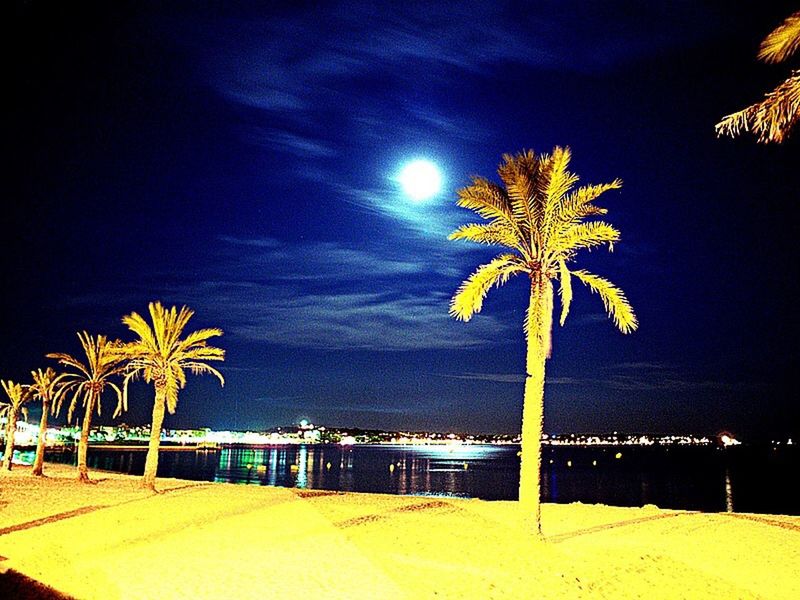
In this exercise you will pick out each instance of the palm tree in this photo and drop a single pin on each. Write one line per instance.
(88, 381)
(45, 388)
(17, 396)
(541, 220)
(162, 358)
(773, 118)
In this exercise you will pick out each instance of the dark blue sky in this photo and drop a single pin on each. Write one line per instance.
(240, 159)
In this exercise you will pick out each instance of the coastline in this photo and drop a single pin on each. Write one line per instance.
(217, 540)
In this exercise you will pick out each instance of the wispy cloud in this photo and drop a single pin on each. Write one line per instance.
(494, 377)
(308, 146)
(320, 295)
(631, 376)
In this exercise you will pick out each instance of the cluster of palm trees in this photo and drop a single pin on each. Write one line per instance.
(159, 355)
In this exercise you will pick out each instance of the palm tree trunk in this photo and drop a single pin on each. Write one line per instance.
(539, 324)
(11, 429)
(39, 460)
(83, 444)
(151, 463)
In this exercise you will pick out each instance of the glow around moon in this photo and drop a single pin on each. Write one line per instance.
(420, 179)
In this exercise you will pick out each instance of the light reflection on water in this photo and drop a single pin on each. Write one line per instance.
(694, 478)
(394, 469)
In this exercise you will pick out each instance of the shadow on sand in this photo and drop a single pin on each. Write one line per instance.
(18, 586)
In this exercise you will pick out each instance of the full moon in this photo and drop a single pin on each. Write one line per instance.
(420, 179)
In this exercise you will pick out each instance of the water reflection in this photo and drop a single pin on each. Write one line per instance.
(394, 469)
(303, 467)
(682, 478)
(728, 492)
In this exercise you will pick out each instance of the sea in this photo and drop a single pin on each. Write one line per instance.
(751, 479)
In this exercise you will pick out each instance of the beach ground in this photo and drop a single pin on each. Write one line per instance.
(112, 540)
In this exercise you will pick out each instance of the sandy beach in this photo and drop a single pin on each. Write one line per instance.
(212, 540)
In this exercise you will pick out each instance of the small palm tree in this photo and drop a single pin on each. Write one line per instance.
(541, 220)
(18, 395)
(45, 388)
(774, 117)
(88, 381)
(161, 357)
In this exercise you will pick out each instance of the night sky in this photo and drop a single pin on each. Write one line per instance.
(241, 158)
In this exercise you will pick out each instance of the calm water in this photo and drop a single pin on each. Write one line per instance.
(741, 479)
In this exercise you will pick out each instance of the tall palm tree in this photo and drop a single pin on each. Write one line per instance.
(18, 395)
(541, 220)
(88, 381)
(161, 357)
(45, 388)
(773, 118)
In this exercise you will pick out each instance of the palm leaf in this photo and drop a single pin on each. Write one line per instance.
(560, 180)
(487, 199)
(577, 204)
(140, 327)
(770, 120)
(197, 337)
(518, 173)
(497, 233)
(614, 300)
(782, 42)
(468, 300)
(565, 291)
(198, 368)
(588, 235)
(69, 361)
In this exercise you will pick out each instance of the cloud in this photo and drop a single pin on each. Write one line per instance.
(321, 261)
(432, 219)
(291, 62)
(661, 376)
(285, 316)
(306, 146)
(319, 295)
(494, 377)
(631, 376)
(511, 378)
(326, 295)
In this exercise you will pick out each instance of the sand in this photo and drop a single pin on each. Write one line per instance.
(213, 540)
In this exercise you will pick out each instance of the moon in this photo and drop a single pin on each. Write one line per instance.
(420, 179)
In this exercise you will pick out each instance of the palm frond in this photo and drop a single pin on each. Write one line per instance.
(577, 204)
(770, 120)
(123, 405)
(17, 393)
(203, 353)
(781, 43)
(518, 173)
(468, 300)
(588, 235)
(140, 327)
(44, 384)
(74, 401)
(497, 233)
(565, 291)
(487, 199)
(170, 391)
(69, 361)
(614, 300)
(202, 368)
(561, 180)
(197, 337)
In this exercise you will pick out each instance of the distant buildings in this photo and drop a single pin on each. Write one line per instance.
(308, 433)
